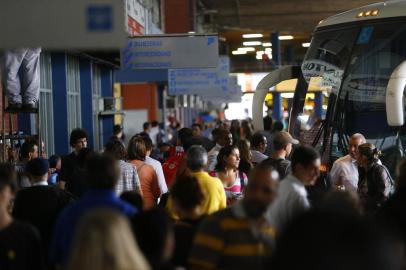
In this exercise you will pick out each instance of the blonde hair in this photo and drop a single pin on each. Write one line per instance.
(104, 241)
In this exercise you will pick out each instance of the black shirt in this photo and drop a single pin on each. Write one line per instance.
(73, 174)
(281, 165)
(20, 247)
(40, 206)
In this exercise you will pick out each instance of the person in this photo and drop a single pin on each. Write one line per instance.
(246, 130)
(134, 198)
(245, 157)
(235, 130)
(154, 132)
(226, 170)
(128, 180)
(137, 152)
(146, 127)
(344, 173)
(102, 173)
(258, 147)
(241, 236)
(292, 195)
(104, 241)
(267, 132)
(78, 184)
(54, 169)
(375, 182)
(282, 147)
(223, 138)
(187, 197)
(197, 130)
(21, 77)
(69, 164)
(154, 234)
(155, 164)
(40, 204)
(20, 243)
(28, 151)
(118, 134)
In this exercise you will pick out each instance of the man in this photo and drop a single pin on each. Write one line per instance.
(70, 163)
(282, 147)
(154, 131)
(28, 151)
(118, 134)
(344, 173)
(223, 137)
(258, 147)
(156, 165)
(102, 176)
(40, 204)
(267, 132)
(146, 127)
(292, 195)
(241, 236)
(197, 131)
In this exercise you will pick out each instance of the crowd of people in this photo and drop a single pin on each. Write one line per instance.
(225, 198)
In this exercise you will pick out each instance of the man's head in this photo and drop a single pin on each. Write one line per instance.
(55, 162)
(29, 150)
(258, 142)
(116, 149)
(38, 168)
(283, 141)
(117, 131)
(224, 137)
(267, 123)
(196, 158)
(197, 130)
(78, 139)
(306, 164)
(102, 172)
(356, 140)
(146, 127)
(184, 134)
(260, 191)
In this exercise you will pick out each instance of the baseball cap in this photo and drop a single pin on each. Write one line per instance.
(283, 137)
(37, 166)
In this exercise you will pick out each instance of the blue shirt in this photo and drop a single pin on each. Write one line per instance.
(69, 218)
(52, 179)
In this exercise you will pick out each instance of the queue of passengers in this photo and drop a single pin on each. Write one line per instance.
(230, 198)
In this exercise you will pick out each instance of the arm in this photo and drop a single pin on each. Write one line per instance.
(136, 181)
(161, 179)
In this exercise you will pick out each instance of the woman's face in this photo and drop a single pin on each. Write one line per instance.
(233, 160)
(361, 159)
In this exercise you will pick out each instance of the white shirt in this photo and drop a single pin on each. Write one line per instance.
(290, 202)
(257, 157)
(41, 183)
(212, 157)
(159, 173)
(153, 134)
(346, 169)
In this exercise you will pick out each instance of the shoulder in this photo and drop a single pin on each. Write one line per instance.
(342, 160)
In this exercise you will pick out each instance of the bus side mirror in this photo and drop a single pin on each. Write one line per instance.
(394, 96)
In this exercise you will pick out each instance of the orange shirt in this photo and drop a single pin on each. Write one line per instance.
(149, 183)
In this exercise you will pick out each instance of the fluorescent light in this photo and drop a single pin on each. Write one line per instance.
(238, 52)
(306, 45)
(267, 44)
(288, 95)
(260, 52)
(252, 43)
(246, 49)
(268, 50)
(259, 56)
(285, 37)
(191, 32)
(252, 35)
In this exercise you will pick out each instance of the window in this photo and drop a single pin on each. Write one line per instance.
(73, 93)
(46, 104)
(96, 96)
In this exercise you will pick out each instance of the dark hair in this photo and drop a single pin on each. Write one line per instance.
(369, 151)
(197, 125)
(224, 153)
(8, 177)
(244, 147)
(277, 126)
(276, 145)
(246, 127)
(187, 192)
(146, 125)
(154, 123)
(116, 149)
(133, 198)
(53, 161)
(102, 171)
(304, 155)
(184, 134)
(267, 122)
(77, 134)
(27, 148)
(148, 142)
(136, 148)
(117, 129)
(257, 139)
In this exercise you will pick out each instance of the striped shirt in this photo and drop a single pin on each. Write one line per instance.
(228, 239)
(129, 180)
(235, 190)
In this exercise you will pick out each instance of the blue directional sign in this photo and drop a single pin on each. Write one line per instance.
(168, 52)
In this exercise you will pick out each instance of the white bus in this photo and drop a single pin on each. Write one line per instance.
(359, 58)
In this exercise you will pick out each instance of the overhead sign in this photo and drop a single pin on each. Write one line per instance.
(61, 24)
(165, 52)
(136, 18)
(203, 81)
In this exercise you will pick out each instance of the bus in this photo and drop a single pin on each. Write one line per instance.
(358, 58)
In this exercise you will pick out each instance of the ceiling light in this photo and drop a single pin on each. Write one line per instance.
(259, 57)
(252, 43)
(252, 35)
(267, 44)
(260, 52)
(238, 52)
(247, 49)
(285, 37)
(306, 45)
(268, 50)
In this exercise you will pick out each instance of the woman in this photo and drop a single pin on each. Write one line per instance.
(246, 130)
(149, 181)
(245, 157)
(226, 170)
(104, 241)
(375, 183)
(235, 130)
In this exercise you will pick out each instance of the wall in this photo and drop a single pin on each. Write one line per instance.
(141, 97)
(179, 16)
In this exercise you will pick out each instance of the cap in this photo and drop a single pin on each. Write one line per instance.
(283, 137)
(37, 166)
